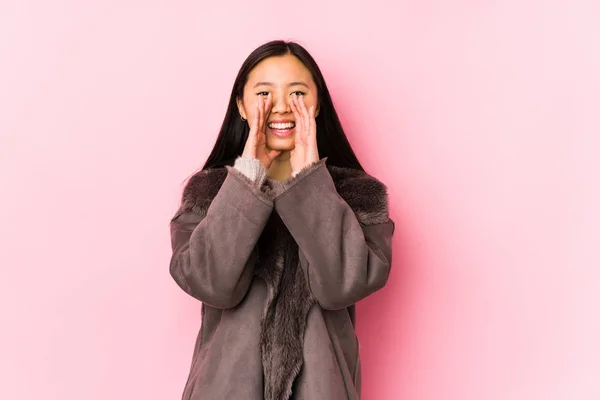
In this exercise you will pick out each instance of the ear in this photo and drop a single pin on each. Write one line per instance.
(241, 109)
(317, 111)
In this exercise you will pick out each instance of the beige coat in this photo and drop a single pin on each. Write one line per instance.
(279, 267)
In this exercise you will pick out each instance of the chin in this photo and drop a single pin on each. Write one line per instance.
(282, 144)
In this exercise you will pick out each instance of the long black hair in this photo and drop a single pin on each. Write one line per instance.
(331, 139)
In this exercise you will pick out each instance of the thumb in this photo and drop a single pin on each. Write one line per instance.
(273, 153)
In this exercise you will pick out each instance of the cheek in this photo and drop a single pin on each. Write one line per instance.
(310, 101)
(250, 107)
(312, 97)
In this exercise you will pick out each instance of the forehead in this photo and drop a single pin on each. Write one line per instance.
(280, 70)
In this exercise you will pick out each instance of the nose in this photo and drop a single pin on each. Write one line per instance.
(280, 105)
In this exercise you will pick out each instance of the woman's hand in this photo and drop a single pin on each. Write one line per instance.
(256, 144)
(305, 151)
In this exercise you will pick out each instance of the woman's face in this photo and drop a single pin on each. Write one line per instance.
(283, 77)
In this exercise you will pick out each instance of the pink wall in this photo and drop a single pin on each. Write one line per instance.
(481, 116)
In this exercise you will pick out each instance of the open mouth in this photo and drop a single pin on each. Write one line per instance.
(281, 129)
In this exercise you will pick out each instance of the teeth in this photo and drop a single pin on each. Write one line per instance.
(286, 125)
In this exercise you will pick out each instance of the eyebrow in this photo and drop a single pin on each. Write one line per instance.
(290, 84)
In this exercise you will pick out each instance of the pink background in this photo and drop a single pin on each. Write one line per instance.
(481, 116)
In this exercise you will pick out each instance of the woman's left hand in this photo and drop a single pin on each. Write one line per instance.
(305, 151)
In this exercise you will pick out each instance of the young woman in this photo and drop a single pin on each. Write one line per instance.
(279, 235)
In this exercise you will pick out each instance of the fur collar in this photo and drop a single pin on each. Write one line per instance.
(288, 296)
(366, 195)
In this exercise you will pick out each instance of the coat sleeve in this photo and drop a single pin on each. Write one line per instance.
(344, 259)
(214, 251)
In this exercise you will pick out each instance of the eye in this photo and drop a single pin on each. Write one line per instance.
(298, 93)
(262, 93)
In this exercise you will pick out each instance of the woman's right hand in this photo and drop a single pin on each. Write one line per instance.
(256, 144)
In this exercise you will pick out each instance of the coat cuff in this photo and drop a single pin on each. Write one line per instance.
(283, 186)
(253, 174)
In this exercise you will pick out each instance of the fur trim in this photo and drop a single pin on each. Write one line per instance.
(286, 308)
(280, 187)
(366, 195)
(254, 185)
(201, 189)
(252, 168)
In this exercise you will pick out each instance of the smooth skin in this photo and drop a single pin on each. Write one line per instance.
(281, 87)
